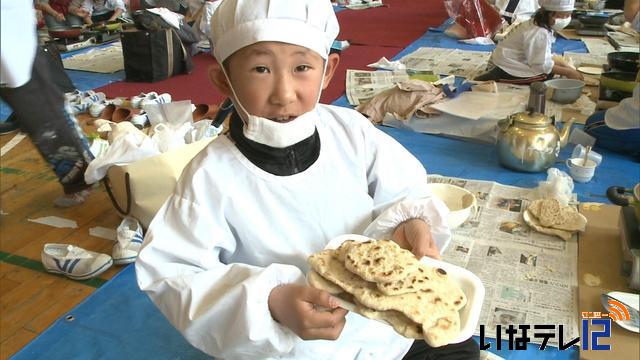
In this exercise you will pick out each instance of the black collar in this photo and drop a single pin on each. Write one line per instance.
(277, 161)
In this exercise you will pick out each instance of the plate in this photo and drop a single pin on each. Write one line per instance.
(628, 300)
(591, 70)
(468, 282)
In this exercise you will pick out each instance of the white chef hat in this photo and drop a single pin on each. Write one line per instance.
(557, 5)
(239, 23)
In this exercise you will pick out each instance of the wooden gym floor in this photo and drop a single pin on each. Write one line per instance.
(30, 298)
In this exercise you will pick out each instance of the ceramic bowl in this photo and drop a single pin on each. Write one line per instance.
(459, 201)
(564, 91)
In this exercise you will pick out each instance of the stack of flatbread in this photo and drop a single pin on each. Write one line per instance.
(388, 283)
(549, 216)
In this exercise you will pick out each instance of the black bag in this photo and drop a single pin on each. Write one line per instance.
(146, 20)
(151, 56)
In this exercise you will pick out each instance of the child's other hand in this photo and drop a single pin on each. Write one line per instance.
(575, 74)
(296, 307)
(415, 236)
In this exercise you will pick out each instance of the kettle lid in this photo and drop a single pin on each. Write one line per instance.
(531, 118)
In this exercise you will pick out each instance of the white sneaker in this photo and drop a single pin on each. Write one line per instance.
(140, 120)
(153, 98)
(128, 243)
(135, 101)
(74, 262)
(96, 109)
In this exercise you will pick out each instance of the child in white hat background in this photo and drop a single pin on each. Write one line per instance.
(524, 55)
(225, 257)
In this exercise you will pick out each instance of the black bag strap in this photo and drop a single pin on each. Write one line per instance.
(127, 186)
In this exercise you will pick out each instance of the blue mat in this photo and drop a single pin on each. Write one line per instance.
(118, 321)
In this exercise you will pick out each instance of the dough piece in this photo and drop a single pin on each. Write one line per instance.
(317, 281)
(445, 330)
(547, 211)
(423, 278)
(326, 264)
(380, 261)
(341, 251)
(551, 214)
(400, 323)
(535, 225)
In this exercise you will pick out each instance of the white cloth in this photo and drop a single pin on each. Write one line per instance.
(525, 51)
(557, 5)
(523, 11)
(239, 23)
(625, 115)
(19, 42)
(97, 7)
(232, 232)
(169, 16)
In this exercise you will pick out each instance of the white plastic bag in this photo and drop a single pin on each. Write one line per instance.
(558, 185)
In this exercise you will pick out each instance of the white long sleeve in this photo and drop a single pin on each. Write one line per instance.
(526, 51)
(220, 244)
(19, 42)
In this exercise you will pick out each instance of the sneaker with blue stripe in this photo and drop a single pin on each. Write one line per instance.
(128, 242)
(74, 262)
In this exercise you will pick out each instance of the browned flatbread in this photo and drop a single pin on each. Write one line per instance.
(317, 281)
(434, 308)
(379, 261)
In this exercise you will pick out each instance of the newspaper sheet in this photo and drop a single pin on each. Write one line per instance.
(586, 59)
(442, 61)
(530, 278)
(363, 85)
(598, 46)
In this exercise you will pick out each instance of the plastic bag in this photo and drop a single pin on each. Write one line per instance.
(558, 185)
(474, 18)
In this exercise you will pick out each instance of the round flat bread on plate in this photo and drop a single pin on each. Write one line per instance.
(591, 70)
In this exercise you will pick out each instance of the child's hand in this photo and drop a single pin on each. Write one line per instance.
(575, 74)
(415, 235)
(296, 307)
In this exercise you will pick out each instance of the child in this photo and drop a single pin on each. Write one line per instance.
(618, 128)
(93, 11)
(225, 257)
(524, 55)
(56, 13)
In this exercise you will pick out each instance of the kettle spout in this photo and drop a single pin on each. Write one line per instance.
(566, 130)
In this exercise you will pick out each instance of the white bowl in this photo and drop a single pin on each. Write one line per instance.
(459, 201)
(469, 283)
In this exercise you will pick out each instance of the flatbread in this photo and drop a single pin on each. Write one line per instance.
(420, 306)
(430, 311)
(535, 225)
(341, 251)
(591, 70)
(379, 261)
(317, 281)
(551, 214)
(400, 323)
(422, 278)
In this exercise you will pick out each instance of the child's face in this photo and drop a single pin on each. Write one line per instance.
(559, 15)
(277, 81)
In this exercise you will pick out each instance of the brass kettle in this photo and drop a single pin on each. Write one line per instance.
(529, 141)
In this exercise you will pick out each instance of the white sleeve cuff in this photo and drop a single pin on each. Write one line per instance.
(432, 210)
(282, 339)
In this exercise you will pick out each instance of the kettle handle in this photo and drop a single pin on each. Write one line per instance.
(615, 194)
(505, 123)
